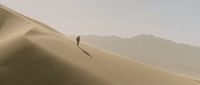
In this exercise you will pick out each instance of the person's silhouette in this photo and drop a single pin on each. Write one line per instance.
(78, 40)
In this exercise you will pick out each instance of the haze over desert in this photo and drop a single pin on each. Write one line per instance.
(34, 53)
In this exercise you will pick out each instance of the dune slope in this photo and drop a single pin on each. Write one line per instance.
(166, 54)
(32, 53)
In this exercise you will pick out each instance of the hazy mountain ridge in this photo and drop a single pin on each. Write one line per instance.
(167, 54)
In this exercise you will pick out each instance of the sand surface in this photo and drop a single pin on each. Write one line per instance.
(175, 57)
(32, 53)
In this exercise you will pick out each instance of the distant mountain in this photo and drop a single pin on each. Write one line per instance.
(166, 54)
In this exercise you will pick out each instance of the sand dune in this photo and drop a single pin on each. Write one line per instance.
(166, 54)
(34, 54)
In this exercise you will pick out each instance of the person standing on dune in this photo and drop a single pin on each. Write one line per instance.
(78, 40)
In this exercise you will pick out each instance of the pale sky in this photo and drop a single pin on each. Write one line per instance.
(177, 20)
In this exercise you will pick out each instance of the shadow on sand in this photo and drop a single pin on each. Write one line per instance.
(84, 51)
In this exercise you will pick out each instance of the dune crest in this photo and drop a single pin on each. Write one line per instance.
(32, 53)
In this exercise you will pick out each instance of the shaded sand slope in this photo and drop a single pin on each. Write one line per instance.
(34, 54)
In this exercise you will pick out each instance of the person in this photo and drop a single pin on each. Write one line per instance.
(78, 40)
